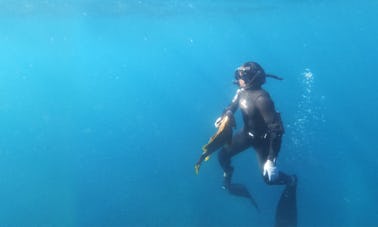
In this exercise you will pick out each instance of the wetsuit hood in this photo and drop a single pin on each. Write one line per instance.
(253, 75)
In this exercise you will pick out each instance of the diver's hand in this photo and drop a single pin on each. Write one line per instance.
(270, 170)
(219, 119)
(218, 122)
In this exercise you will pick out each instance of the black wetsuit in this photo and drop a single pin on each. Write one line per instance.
(262, 130)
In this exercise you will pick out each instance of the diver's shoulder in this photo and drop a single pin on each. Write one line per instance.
(261, 95)
(259, 91)
(264, 92)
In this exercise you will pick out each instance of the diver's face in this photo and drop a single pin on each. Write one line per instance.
(239, 75)
(241, 83)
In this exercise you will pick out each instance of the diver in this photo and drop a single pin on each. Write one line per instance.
(263, 130)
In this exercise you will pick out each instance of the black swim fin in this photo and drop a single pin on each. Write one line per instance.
(286, 213)
(241, 190)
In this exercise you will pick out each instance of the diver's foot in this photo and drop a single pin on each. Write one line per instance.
(294, 181)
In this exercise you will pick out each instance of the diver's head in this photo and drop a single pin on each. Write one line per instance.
(249, 75)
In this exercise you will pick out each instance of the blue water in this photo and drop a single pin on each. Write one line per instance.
(104, 107)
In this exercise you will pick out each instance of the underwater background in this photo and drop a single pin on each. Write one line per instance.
(105, 105)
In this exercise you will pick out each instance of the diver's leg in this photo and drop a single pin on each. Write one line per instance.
(286, 211)
(262, 150)
(239, 143)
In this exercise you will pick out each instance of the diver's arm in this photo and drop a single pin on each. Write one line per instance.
(229, 110)
(274, 124)
(234, 104)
